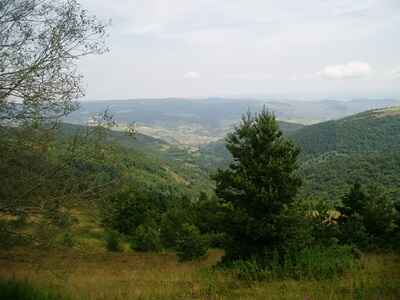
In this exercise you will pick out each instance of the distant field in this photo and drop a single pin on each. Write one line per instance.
(101, 275)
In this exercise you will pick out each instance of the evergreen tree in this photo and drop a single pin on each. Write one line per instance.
(258, 186)
(354, 201)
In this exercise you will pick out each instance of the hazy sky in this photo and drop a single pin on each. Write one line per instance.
(293, 48)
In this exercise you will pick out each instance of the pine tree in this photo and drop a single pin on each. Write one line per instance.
(259, 185)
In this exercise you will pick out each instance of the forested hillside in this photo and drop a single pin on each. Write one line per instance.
(153, 160)
(214, 155)
(363, 147)
(371, 131)
(335, 154)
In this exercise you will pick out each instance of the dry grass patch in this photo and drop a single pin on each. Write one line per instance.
(102, 275)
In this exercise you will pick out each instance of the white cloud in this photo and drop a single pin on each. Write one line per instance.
(191, 75)
(350, 70)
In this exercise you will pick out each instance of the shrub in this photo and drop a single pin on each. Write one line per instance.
(146, 238)
(190, 244)
(319, 262)
(173, 220)
(68, 239)
(112, 239)
(310, 263)
(171, 224)
(250, 270)
(353, 232)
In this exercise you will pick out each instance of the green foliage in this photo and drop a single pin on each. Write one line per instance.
(363, 147)
(354, 201)
(146, 238)
(68, 240)
(210, 218)
(190, 244)
(25, 291)
(331, 175)
(370, 217)
(310, 263)
(258, 185)
(353, 232)
(371, 131)
(171, 225)
(320, 262)
(126, 210)
(379, 215)
(113, 241)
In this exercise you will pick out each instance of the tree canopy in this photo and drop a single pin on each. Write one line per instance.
(40, 42)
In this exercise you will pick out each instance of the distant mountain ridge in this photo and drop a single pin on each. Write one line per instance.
(196, 122)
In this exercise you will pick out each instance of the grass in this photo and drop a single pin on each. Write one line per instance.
(14, 290)
(89, 272)
(128, 275)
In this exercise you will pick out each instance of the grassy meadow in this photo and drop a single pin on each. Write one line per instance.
(102, 275)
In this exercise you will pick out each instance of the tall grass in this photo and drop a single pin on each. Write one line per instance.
(314, 263)
(134, 275)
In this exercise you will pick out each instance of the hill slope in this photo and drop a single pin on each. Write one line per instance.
(155, 161)
(215, 155)
(370, 131)
(197, 122)
(363, 147)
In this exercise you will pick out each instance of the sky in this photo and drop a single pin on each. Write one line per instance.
(306, 49)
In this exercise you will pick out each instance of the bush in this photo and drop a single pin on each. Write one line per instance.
(319, 262)
(353, 232)
(146, 238)
(25, 291)
(250, 270)
(68, 240)
(173, 220)
(112, 239)
(310, 263)
(190, 244)
(171, 224)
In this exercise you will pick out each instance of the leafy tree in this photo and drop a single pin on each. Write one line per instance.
(146, 238)
(40, 43)
(259, 185)
(126, 210)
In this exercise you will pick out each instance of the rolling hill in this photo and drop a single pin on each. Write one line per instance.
(195, 122)
(214, 155)
(370, 131)
(363, 147)
(154, 162)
